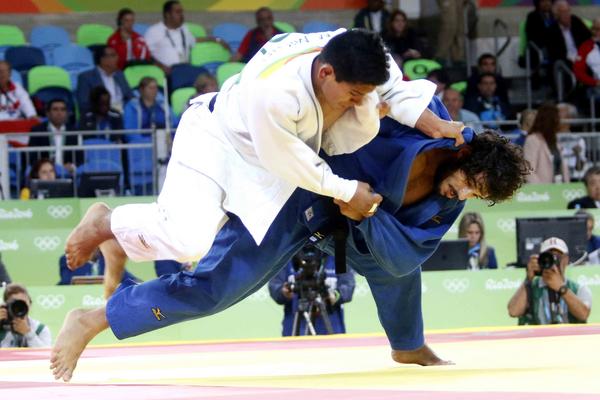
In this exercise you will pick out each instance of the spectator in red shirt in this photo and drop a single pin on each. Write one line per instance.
(587, 66)
(129, 45)
(258, 36)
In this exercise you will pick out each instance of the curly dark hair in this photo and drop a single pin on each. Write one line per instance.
(357, 56)
(499, 162)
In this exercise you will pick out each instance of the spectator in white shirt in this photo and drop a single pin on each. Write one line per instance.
(14, 99)
(573, 149)
(170, 41)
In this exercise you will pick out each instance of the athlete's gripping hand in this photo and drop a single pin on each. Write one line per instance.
(435, 127)
(364, 202)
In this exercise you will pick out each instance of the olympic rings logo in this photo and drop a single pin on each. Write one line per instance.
(506, 225)
(46, 243)
(50, 301)
(457, 285)
(60, 212)
(572, 194)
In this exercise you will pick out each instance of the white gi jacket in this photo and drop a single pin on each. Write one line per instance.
(263, 138)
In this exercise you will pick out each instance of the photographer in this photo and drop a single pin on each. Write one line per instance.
(312, 273)
(17, 329)
(546, 296)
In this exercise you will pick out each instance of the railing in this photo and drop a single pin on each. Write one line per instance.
(562, 70)
(531, 47)
(19, 157)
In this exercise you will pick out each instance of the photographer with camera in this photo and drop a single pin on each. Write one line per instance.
(17, 329)
(312, 294)
(547, 296)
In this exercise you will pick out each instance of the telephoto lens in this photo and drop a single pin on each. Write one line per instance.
(547, 260)
(17, 309)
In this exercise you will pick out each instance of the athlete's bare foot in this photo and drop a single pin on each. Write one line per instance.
(93, 229)
(422, 356)
(79, 328)
(114, 265)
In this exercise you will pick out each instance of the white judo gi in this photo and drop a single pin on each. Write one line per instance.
(259, 144)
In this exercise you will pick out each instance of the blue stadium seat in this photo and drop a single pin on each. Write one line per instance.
(48, 38)
(97, 158)
(3, 51)
(231, 32)
(15, 76)
(319, 26)
(140, 28)
(74, 59)
(23, 58)
(140, 167)
(184, 75)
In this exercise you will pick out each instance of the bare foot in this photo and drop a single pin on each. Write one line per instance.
(93, 229)
(114, 261)
(79, 328)
(422, 356)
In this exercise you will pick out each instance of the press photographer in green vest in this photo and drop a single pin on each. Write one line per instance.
(547, 296)
(17, 329)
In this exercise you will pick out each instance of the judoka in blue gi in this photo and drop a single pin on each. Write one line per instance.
(293, 286)
(424, 183)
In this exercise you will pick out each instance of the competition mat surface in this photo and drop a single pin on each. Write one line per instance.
(546, 363)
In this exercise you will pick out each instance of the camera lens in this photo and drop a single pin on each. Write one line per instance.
(547, 260)
(17, 309)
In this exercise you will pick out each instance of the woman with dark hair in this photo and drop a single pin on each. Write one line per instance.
(541, 148)
(129, 45)
(44, 170)
(481, 255)
(401, 39)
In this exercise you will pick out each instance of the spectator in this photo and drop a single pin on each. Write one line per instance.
(56, 125)
(257, 37)
(145, 112)
(129, 45)
(373, 17)
(451, 37)
(573, 149)
(526, 119)
(547, 296)
(4, 276)
(487, 64)
(453, 101)
(170, 41)
(587, 65)
(567, 35)
(14, 100)
(205, 83)
(17, 328)
(401, 39)
(481, 255)
(107, 75)
(537, 29)
(102, 117)
(592, 186)
(486, 103)
(291, 289)
(440, 78)
(541, 148)
(593, 240)
(44, 170)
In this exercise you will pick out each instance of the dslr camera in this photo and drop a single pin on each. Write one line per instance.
(309, 276)
(547, 260)
(15, 309)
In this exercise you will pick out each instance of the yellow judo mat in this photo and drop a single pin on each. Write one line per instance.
(553, 362)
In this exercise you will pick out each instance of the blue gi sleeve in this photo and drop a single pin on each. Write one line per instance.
(398, 248)
(345, 286)
(275, 286)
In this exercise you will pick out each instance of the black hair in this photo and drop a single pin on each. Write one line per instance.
(484, 56)
(593, 170)
(55, 100)
(261, 10)
(123, 12)
(495, 166)
(95, 94)
(485, 74)
(440, 75)
(357, 56)
(34, 173)
(168, 5)
(99, 51)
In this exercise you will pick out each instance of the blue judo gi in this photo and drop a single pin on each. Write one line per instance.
(387, 249)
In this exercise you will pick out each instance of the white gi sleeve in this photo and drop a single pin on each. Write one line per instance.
(273, 114)
(407, 99)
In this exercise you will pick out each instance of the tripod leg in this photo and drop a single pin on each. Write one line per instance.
(296, 325)
(309, 325)
(325, 315)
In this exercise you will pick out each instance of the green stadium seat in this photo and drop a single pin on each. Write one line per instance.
(92, 34)
(179, 99)
(196, 29)
(208, 53)
(11, 35)
(588, 22)
(522, 39)
(44, 76)
(227, 70)
(135, 73)
(460, 86)
(284, 26)
(419, 68)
